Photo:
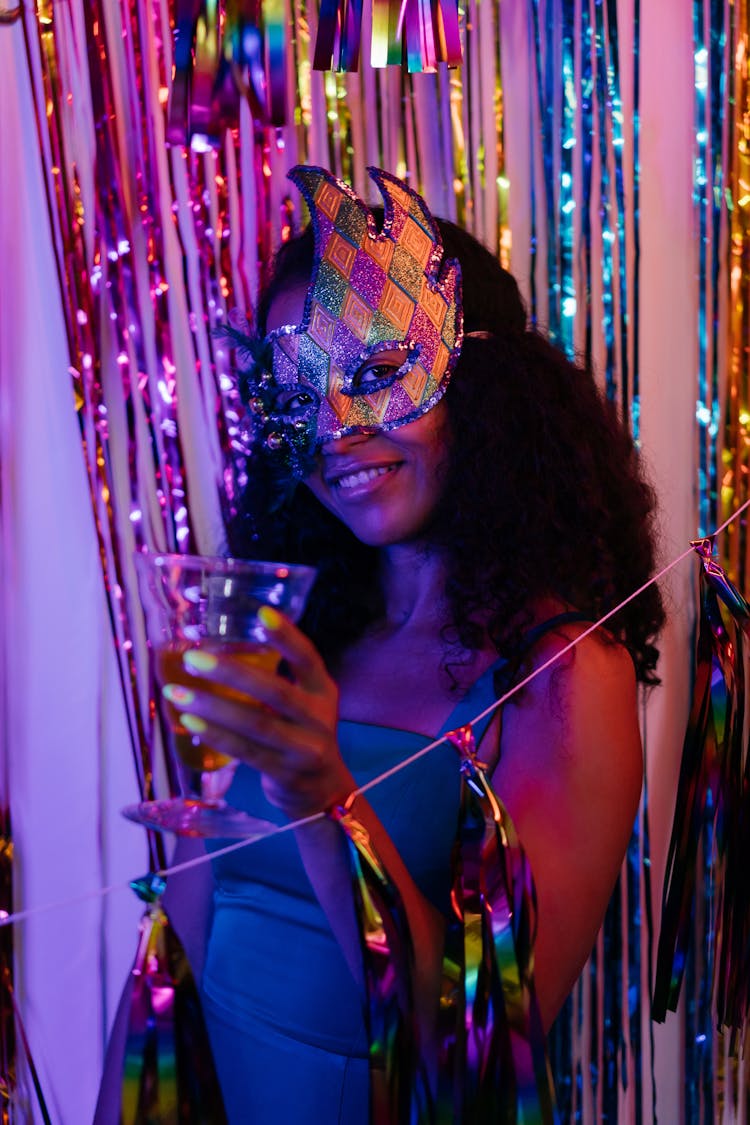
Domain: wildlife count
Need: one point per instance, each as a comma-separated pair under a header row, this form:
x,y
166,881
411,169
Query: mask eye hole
x,y
379,370
296,403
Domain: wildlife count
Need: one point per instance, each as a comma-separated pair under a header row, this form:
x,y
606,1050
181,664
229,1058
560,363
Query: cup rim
x,y
225,563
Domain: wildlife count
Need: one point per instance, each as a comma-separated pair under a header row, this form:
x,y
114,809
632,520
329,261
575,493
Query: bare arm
x,y
570,774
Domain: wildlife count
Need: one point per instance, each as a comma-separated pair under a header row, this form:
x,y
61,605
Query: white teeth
x,y
362,477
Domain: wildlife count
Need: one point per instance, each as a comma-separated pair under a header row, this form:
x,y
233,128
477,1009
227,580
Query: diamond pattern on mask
x,y
356,315
396,306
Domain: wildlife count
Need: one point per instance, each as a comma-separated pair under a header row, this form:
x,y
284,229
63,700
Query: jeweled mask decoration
x,y
371,291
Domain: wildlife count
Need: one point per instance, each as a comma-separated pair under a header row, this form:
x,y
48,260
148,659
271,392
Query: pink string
x,y
22,915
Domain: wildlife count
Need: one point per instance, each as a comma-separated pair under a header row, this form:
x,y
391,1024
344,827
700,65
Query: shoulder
x,y
578,714
569,662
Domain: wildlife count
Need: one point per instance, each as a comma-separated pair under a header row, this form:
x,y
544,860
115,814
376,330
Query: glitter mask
x,y
370,292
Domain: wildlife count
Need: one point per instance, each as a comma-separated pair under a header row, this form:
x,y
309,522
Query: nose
x,y
342,445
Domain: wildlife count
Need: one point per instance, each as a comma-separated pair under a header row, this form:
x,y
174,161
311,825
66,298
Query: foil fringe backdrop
x,y
239,190
710,78
709,847
584,175
716,1080
224,53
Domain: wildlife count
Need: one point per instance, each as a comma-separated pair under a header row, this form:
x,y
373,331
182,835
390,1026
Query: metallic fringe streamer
x,y
706,887
580,201
493,1066
581,180
83,275
126,224
441,132
398,1086
168,1072
734,284
421,33
710,44
721,31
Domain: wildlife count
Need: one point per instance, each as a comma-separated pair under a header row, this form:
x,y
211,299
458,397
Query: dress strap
x,y
499,677
480,695
504,676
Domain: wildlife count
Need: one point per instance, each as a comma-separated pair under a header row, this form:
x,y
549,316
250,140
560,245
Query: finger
x,y
240,673
226,742
200,710
299,651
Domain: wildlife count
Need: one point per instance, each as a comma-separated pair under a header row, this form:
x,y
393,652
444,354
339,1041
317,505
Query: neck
x,y
413,580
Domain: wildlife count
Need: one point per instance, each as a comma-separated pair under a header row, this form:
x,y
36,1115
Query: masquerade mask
x,y
372,293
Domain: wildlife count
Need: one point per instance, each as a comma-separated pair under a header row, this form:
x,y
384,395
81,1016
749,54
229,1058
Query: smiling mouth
x,y
362,476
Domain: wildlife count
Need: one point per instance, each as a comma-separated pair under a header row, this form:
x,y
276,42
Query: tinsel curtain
x,y
550,143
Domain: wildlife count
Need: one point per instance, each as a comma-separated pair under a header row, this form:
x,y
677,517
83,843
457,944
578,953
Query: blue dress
x,y
284,1013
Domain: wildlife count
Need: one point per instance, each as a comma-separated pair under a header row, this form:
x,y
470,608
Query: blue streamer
x,y
707,197
634,867
587,162
594,1071
605,206
533,189
545,83
635,406
613,1042
711,63
617,144
568,304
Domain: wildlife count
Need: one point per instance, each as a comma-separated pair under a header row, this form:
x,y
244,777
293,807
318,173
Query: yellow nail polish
x,y
269,617
177,694
193,723
197,660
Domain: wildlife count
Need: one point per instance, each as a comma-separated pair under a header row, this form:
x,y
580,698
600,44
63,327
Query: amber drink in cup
x,y
202,602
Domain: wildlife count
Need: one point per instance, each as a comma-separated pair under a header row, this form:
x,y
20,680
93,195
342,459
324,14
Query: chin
x,y
394,535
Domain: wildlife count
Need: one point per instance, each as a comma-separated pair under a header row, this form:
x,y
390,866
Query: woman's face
x,y
384,486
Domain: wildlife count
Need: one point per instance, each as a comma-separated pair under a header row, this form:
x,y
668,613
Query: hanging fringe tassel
x,y
399,1092
222,53
168,1070
713,796
421,32
493,1066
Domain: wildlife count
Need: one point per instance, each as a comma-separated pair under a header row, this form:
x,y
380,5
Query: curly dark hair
x,y
545,495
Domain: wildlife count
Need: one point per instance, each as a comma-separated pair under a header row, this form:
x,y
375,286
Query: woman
x,y
465,534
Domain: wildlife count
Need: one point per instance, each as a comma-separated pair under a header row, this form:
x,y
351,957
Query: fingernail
x,y
269,617
177,694
198,660
193,723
